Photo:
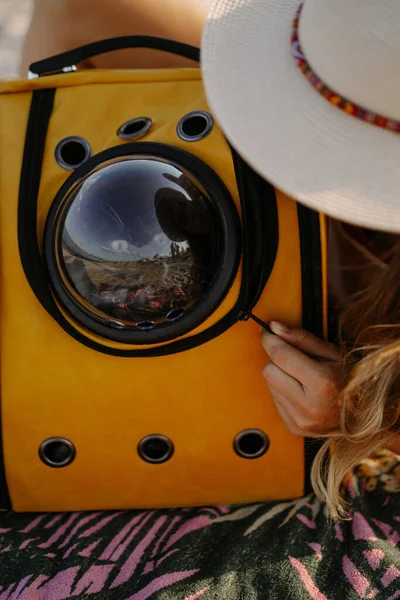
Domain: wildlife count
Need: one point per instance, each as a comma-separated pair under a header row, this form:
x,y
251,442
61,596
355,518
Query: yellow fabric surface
x,y
51,385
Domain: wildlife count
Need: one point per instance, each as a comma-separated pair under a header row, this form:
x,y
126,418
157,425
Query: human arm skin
x,y
60,25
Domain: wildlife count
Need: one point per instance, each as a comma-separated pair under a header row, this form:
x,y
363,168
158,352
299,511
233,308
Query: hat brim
x,y
311,150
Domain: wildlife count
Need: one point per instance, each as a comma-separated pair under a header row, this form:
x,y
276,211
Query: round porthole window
x,y
142,248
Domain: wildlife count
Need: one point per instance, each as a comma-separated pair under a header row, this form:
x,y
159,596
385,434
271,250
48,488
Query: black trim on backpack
x,y
253,192
42,103
312,304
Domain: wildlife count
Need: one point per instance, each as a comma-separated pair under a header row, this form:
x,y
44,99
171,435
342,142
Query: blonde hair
x,y
370,401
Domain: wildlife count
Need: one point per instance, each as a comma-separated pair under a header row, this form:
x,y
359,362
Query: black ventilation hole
x,y
175,314
57,452
145,325
195,126
72,152
135,128
155,449
251,443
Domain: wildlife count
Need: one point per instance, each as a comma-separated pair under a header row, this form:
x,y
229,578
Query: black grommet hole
x,y
195,126
145,325
251,443
175,314
72,152
135,128
57,452
155,448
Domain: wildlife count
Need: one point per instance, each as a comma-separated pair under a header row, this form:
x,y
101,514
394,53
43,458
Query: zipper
x,y
246,314
261,284
245,237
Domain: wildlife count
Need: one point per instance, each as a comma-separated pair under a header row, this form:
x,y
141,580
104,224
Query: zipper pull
x,y
245,315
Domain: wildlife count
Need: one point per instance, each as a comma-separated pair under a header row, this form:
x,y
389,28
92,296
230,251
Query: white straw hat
x,y
267,92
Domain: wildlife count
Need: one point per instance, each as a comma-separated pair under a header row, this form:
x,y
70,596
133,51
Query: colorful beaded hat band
x,y
330,95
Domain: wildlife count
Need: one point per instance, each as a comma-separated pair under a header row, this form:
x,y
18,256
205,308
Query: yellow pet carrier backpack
x,y
137,251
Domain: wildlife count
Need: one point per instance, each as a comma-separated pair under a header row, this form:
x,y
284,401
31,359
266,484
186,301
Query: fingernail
x,y
279,327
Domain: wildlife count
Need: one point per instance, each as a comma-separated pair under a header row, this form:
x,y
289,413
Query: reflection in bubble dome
x,y
138,242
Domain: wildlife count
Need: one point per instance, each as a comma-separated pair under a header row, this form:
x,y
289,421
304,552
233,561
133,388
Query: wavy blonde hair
x,y
370,401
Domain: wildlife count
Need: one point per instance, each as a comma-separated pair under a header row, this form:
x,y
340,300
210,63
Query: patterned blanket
x,y
260,551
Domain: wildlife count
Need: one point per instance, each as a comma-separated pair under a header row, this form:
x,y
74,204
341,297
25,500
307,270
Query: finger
x,y
291,360
306,341
297,400
280,381
298,423
285,412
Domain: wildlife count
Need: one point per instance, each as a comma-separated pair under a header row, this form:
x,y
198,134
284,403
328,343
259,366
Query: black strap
x,y
31,259
64,60
311,274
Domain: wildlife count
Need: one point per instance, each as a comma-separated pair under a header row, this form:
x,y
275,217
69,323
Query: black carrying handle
x,y
66,61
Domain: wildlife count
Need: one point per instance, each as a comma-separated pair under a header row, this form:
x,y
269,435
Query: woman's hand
x,y
305,376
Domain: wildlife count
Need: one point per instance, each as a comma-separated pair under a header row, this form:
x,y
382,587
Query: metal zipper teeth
x,y
246,250
261,284
246,314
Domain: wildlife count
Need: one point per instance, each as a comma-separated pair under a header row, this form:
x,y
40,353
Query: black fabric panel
x,y
78,55
311,275
312,294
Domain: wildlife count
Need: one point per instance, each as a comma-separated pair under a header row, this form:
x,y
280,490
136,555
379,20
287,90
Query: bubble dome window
x,y
139,247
